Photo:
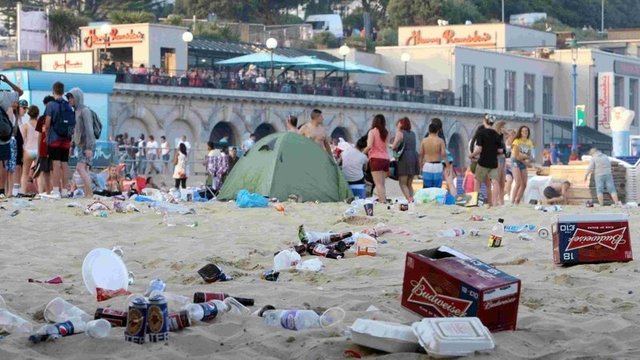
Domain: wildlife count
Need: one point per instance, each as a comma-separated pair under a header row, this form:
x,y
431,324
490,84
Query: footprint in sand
x,y
518,261
533,303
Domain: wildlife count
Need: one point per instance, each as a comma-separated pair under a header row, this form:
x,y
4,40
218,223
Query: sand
x,y
581,312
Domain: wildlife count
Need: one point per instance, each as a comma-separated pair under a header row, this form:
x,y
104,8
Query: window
x,y
633,98
410,82
468,88
547,95
489,88
529,93
618,85
510,90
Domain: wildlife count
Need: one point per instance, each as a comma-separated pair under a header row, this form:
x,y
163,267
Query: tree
x,y
414,12
131,17
63,27
459,11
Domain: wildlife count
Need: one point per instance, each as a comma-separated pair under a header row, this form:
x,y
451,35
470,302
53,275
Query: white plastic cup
x,y
98,328
59,310
332,316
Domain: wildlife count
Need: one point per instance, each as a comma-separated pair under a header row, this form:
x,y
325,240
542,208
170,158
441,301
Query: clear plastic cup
x,y
331,317
235,307
98,328
3,305
59,310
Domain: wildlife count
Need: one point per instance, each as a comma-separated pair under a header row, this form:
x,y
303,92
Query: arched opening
x,y
456,149
177,130
223,131
263,130
341,132
134,127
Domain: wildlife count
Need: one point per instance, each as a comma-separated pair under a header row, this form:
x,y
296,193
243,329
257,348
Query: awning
x,y
313,63
259,59
587,136
350,67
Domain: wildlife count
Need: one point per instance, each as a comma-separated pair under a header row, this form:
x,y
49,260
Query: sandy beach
x,y
580,312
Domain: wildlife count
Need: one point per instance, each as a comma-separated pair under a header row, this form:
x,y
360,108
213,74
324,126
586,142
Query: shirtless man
x,y
557,193
432,154
315,131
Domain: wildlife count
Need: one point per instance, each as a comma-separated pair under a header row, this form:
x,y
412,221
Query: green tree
x,y
131,17
414,12
212,31
63,27
459,11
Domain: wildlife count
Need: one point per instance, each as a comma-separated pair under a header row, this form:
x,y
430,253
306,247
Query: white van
x,y
326,22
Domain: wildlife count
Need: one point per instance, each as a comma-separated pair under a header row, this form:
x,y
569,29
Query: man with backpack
x,y
84,138
59,126
7,98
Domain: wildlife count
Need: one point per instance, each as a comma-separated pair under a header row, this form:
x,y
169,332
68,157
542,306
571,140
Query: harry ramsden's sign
x,y
449,37
115,37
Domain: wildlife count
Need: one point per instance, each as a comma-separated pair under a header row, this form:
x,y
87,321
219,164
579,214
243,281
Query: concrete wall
x,y
199,113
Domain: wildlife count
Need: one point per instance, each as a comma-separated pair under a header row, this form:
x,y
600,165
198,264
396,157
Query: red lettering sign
x,y
424,294
115,37
584,238
67,64
449,38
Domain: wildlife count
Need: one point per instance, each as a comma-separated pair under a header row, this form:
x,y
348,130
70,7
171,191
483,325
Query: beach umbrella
x,y
314,64
259,59
350,67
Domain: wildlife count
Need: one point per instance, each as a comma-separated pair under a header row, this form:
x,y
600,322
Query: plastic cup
x,y
368,208
59,310
235,307
333,316
3,305
98,328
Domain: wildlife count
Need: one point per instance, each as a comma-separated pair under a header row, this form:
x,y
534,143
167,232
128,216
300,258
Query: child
x,y
468,181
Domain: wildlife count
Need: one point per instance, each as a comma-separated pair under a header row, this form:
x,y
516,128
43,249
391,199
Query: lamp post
x,y
187,37
105,30
405,57
344,51
574,74
272,44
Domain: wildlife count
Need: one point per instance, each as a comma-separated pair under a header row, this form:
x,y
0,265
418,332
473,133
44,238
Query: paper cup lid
x,y
102,268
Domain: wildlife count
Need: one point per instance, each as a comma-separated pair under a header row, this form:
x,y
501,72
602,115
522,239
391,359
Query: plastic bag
x,y
245,199
286,259
314,265
430,195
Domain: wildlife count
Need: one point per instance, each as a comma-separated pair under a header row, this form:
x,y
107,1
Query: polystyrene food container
x,y
450,337
383,335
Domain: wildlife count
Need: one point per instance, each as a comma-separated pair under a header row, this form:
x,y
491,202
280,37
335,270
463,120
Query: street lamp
x,y
405,57
574,57
105,30
344,51
271,45
187,37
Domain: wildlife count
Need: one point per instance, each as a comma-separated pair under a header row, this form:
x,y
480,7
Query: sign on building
x,y
606,92
80,62
580,115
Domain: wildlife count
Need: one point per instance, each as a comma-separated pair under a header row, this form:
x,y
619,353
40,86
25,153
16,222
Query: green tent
x,y
284,164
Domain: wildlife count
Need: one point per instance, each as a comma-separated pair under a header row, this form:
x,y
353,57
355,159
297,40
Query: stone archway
x,y
263,130
341,132
222,130
179,128
134,127
456,148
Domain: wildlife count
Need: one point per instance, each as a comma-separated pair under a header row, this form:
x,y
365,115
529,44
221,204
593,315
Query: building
x,y
138,44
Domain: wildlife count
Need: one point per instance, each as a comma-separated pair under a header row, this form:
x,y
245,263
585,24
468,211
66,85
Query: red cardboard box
x,y
443,282
591,238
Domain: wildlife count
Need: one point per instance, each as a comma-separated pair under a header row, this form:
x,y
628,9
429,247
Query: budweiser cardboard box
x,y
591,238
443,282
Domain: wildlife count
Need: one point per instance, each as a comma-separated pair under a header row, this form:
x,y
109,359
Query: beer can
x,y
179,320
115,317
158,319
136,321
404,207
494,241
202,297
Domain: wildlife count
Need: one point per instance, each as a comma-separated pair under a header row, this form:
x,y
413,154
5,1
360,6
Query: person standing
x,y
487,148
141,155
44,166
165,153
7,98
316,131
292,124
408,167
58,113
521,155
180,170
376,150
555,154
83,138
31,142
502,174
233,157
600,168
153,152
432,154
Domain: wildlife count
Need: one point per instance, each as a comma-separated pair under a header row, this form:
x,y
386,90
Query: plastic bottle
x,y
53,331
156,285
172,220
206,311
98,328
10,322
497,233
303,319
451,232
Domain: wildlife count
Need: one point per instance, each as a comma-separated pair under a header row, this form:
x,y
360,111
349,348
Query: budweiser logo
x,y
424,294
584,238
491,304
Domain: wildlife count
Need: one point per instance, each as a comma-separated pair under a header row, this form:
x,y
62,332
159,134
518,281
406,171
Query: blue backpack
x,y
65,121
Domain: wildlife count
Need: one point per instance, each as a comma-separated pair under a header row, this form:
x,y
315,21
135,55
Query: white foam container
x,y
451,337
383,335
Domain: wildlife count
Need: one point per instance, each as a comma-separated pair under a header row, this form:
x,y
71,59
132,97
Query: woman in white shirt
x,y
180,171
354,162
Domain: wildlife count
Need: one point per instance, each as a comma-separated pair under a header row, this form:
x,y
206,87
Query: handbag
x,y
398,152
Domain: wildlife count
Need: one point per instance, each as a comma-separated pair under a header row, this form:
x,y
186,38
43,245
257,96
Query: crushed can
x,y
158,319
179,320
136,321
